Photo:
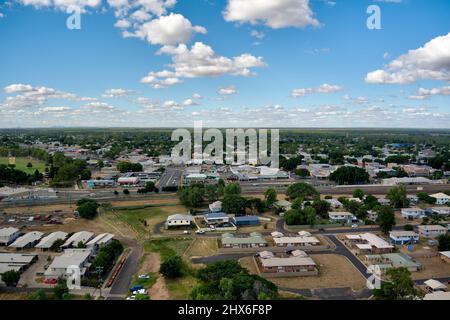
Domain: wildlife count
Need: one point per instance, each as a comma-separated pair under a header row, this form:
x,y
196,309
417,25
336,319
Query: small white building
x,y
100,241
296,241
334,203
435,285
431,231
8,235
76,238
442,211
276,234
179,220
441,198
412,213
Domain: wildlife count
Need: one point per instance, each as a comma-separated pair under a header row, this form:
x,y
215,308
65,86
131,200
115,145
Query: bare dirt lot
x,y
202,247
432,268
335,272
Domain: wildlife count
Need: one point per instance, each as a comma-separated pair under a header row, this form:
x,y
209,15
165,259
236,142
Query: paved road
x,y
170,178
122,283
331,293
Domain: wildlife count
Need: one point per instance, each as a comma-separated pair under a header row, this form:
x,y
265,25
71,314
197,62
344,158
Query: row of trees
x,y
9,174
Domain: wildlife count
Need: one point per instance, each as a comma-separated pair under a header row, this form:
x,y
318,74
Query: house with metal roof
x,y
403,237
8,235
48,241
431,231
393,260
28,240
254,240
100,241
296,241
288,265
179,220
216,217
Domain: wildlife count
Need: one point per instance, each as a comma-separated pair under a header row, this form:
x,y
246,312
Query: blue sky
x,y
284,63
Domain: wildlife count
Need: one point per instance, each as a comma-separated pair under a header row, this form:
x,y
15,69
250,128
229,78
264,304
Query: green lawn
x,y
167,247
136,218
21,164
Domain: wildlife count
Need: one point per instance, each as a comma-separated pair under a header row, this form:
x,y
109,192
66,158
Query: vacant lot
x,y
202,247
335,272
432,268
249,264
21,164
167,247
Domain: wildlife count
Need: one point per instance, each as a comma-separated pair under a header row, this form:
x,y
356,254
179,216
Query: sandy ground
x,y
151,263
144,202
335,272
202,247
432,268
40,209
159,290
249,264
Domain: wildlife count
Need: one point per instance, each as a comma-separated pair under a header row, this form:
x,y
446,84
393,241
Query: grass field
x,y
167,247
21,164
203,247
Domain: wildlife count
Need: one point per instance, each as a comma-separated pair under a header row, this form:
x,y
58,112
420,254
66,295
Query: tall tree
x,y
270,196
398,197
386,218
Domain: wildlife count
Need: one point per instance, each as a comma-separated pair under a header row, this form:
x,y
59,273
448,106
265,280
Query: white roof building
x,y
100,240
70,258
81,236
438,295
441,198
27,240
8,234
286,241
215,206
48,241
287,262
435,285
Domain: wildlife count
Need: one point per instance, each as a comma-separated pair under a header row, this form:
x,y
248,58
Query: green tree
x,y
350,175
270,196
60,290
302,190
386,218
10,278
398,197
87,208
358,193
310,215
171,267
303,173
233,203
399,286
126,191
232,188
321,208
444,242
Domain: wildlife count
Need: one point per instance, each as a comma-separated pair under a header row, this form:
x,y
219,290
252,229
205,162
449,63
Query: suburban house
x,y
340,217
276,234
47,242
246,221
412,213
413,200
431,231
372,215
28,240
296,241
403,237
215,206
253,241
59,268
445,256
288,265
99,242
216,217
16,261
441,198
393,260
442,211
179,220
368,243
8,235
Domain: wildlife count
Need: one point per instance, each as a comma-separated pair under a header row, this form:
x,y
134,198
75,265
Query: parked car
x,y
186,232
354,225
200,231
131,298
144,276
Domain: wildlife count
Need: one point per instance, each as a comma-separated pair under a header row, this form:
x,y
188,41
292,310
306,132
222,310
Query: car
x,y
136,288
50,281
354,225
131,298
200,231
140,291
144,276
186,232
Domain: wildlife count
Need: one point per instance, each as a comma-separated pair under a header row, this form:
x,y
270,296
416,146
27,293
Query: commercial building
x,y
71,258
431,231
253,241
48,241
76,238
403,237
28,240
8,235
179,220
246,221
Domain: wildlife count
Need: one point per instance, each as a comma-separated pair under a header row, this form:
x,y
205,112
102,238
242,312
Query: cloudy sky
x,y
229,63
